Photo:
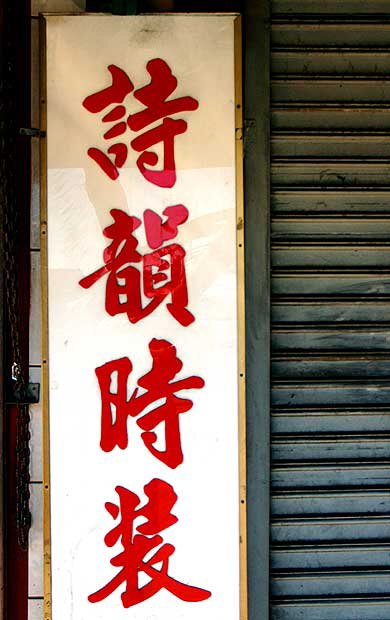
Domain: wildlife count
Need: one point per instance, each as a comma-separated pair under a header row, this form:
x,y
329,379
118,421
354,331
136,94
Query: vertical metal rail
x,y
257,192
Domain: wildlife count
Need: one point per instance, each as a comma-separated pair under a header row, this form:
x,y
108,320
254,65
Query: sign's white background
x,y
82,336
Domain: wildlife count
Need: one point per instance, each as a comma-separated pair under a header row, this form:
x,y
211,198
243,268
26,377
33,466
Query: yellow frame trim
x,y
241,380
45,326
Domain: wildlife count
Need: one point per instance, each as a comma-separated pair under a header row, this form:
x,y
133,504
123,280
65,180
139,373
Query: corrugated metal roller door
x,y
331,310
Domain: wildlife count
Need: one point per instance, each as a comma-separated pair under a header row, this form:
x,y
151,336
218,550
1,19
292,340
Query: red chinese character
x,y
157,384
157,512
154,97
163,270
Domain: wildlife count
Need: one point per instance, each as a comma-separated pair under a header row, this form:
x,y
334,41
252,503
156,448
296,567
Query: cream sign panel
x,y
142,318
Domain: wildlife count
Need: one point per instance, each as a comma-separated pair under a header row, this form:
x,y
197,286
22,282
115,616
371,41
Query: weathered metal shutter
x,y
330,556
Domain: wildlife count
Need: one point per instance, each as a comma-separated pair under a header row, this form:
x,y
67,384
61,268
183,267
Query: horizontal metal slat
x,y
342,609
332,476
317,61
337,367
330,228
328,117
330,421
331,172
326,89
342,529
332,255
342,33
320,310
322,556
320,283
323,503
331,200
300,145
327,339
341,583
331,394
330,6
330,448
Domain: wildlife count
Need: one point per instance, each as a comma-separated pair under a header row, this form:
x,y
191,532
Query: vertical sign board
x,y
144,291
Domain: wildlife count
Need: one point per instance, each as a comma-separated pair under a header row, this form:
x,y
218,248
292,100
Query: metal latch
x,y
32,132
26,394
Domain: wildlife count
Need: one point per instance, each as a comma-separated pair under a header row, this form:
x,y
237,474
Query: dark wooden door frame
x,y
15,192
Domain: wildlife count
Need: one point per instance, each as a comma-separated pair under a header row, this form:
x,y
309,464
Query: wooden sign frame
x,y
240,313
